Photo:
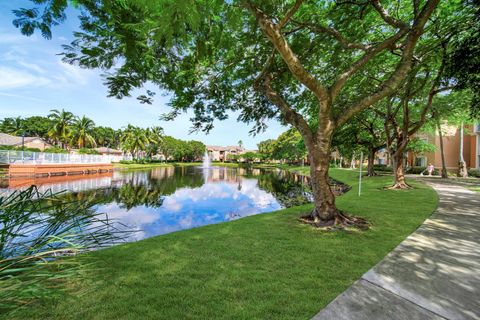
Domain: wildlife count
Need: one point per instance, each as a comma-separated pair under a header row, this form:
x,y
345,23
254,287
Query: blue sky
x,y
33,80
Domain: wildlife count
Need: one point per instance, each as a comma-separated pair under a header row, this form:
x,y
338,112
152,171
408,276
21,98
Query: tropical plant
x,y
134,140
13,126
82,132
40,236
55,150
61,126
155,136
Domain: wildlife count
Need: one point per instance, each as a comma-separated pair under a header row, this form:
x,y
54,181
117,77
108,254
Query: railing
x,y
29,157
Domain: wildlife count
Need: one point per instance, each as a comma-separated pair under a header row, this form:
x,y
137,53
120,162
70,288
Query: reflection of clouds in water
x,y
188,208
220,190
134,219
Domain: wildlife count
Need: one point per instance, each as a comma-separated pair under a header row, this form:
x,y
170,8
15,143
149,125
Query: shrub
x,y
55,150
418,170
474,173
87,151
382,167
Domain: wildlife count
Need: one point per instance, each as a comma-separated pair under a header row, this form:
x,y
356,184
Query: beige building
x,y
219,153
29,142
451,146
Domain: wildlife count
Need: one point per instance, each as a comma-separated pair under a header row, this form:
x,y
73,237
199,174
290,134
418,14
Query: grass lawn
x,y
476,189
129,166
134,166
267,266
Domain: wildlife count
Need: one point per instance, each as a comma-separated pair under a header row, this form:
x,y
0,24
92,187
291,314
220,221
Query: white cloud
x,y
15,78
32,66
73,74
12,95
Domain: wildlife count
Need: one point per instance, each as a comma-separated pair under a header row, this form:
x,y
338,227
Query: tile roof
x,y
9,140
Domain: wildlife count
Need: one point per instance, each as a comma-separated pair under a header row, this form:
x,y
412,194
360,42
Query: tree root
x,y
400,186
339,222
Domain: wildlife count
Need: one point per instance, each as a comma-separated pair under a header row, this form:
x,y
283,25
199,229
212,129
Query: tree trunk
x,y
442,151
399,170
325,211
371,158
352,162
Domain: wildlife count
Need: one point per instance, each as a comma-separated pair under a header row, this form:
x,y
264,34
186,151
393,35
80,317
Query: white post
x,y
8,156
360,176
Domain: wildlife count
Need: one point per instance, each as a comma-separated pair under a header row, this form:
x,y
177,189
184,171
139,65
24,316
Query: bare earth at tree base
x,y
433,274
341,221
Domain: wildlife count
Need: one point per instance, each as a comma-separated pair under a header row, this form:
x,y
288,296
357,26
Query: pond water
x,y
168,199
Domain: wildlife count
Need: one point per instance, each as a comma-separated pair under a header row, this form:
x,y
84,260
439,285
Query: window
x,y
420,162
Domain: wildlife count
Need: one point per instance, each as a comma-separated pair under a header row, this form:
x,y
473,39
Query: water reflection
x,y
168,199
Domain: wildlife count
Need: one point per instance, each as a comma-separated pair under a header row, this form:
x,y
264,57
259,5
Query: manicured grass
x,y
131,166
267,266
476,189
134,166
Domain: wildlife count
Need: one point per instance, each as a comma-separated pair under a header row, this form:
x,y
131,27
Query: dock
x,y
48,170
39,164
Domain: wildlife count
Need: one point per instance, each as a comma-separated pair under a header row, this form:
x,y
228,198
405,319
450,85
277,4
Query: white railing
x,y
29,157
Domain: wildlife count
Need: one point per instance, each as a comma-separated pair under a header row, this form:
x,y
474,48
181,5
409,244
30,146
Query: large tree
x,y
295,60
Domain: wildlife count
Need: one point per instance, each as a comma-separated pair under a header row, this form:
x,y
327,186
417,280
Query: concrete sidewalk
x,y
433,274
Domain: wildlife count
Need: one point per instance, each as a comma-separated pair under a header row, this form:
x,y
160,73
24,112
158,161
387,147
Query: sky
x,y
34,80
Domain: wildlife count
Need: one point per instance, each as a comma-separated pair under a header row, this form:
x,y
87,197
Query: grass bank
x,y
135,166
267,266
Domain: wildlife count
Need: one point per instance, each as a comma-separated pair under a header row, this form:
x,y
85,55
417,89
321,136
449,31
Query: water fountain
x,y
206,161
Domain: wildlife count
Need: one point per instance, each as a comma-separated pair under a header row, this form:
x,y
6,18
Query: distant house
x,y
219,153
28,142
108,151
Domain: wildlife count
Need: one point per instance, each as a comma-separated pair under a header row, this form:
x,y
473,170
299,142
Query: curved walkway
x,y
433,274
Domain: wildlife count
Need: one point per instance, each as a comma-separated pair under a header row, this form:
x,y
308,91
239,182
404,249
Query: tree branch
x,y
387,17
289,14
336,34
403,67
369,54
273,33
290,115
433,91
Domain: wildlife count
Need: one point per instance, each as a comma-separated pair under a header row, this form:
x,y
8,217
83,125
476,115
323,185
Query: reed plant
x,y
41,236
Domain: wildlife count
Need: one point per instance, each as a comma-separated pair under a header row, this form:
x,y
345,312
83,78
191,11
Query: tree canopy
x,y
312,64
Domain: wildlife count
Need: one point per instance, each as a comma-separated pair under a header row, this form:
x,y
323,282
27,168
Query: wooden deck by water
x,y
43,170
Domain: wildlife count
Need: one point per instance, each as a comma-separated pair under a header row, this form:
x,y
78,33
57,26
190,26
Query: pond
x,y
167,199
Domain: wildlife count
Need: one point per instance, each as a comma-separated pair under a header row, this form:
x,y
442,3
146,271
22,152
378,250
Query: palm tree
x,y
83,132
155,137
134,140
61,129
13,126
